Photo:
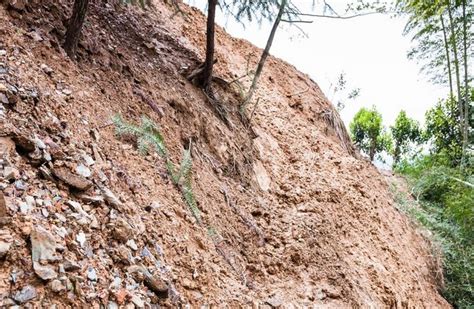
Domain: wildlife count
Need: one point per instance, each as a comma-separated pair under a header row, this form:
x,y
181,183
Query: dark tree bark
x,y
266,52
204,78
74,27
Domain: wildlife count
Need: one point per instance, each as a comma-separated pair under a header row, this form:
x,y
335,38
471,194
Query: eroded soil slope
x,y
289,214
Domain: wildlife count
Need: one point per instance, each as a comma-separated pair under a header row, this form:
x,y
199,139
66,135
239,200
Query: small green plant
x,y
149,136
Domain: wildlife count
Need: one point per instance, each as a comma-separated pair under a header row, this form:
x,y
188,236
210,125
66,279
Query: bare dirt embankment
x,y
290,216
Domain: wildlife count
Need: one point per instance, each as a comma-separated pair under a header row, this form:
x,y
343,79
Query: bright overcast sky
x,y
370,50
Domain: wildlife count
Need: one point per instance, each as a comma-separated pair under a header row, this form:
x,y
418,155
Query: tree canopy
x,y
368,133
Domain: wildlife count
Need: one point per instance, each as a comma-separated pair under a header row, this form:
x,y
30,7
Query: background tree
x,y
405,131
74,27
443,130
368,133
442,33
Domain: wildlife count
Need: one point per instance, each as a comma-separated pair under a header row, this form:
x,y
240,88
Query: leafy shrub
x,y
446,207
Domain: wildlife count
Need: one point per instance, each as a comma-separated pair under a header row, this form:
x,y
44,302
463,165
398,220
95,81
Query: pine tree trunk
x,y
74,27
466,84
265,53
456,67
448,58
204,78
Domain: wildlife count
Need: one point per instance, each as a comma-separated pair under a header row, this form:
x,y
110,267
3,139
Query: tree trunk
x,y
448,58
204,78
74,27
466,86
456,66
265,53
396,154
373,144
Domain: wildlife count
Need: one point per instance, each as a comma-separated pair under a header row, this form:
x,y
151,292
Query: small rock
x,y
81,239
45,212
137,301
157,285
39,143
43,249
77,182
97,199
60,217
274,301
112,305
10,173
33,34
25,295
2,52
24,143
83,170
131,243
123,255
25,208
20,185
4,248
47,156
46,69
110,197
43,245
5,243
71,266
4,99
91,274
3,205
67,91
45,272
122,230
30,201
88,159
56,286
116,283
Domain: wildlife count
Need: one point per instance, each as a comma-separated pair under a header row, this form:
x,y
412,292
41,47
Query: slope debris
x,y
291,215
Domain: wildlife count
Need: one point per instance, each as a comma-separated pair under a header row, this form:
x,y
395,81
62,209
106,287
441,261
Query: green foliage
x,y
368,133
404,132
148,135
251,10
446,196
443,131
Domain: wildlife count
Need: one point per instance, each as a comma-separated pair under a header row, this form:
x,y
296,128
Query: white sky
x,y
370,50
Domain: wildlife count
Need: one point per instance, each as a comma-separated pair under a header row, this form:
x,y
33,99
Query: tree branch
x,y
297,21
338,17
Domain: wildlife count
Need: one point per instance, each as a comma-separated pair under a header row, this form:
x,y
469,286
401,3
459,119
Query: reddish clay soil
x,y
291,215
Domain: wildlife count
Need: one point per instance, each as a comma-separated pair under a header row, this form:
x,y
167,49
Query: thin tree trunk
x,y
456,66
74,27
373,144
265,53
466,85
448,58
204,78
396,154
